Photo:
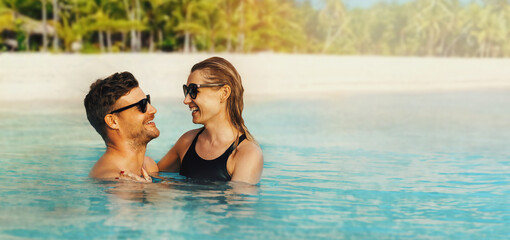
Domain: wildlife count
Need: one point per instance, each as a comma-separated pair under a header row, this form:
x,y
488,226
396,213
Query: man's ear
x,y
225,92
111,121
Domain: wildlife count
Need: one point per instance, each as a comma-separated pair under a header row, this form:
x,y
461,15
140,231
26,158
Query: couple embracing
x,y
222,150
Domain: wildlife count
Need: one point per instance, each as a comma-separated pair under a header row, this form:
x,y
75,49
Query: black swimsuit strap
x,y
215,169
241,138
229,150
196,137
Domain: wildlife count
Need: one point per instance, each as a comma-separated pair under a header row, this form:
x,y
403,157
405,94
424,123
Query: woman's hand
x,y
145,178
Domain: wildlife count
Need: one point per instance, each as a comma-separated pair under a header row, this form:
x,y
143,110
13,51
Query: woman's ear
x,y
111,121
225,93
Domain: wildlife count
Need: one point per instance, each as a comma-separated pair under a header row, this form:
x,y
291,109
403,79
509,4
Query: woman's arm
x,y
248,164
150,165
171,162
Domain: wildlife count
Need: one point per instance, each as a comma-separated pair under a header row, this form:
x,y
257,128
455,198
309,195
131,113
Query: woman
x,y
223,149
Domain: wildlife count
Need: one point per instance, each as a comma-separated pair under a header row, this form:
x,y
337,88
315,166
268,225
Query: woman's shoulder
x,y
188,136
249,148
249,162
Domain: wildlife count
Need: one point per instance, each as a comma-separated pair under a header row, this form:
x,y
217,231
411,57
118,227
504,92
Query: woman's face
x,y
207,105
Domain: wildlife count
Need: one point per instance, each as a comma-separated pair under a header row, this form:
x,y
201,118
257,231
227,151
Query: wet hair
x,y
102,96
219,70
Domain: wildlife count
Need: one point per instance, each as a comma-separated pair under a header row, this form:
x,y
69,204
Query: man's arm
x,y
248,164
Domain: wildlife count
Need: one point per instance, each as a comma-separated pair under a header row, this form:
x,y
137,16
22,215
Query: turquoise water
x,y
363,166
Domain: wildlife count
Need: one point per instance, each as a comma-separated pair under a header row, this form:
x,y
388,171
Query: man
x,y
122,114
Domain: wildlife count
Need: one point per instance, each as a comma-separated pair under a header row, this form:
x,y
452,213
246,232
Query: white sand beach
x,y
36,76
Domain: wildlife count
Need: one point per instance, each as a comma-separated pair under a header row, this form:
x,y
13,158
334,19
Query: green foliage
x,y
414,28
20,38
88,47
168,45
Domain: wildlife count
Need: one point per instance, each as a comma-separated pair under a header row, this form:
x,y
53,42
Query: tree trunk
x,y
133,40
124,40
131,16
55,20
327,41
488,49
229,31
229,44
186,42
45,30
139,42
27,42
138,16
240,34
160,39
151,42
101,41
212,48
109,40
193,45
482,49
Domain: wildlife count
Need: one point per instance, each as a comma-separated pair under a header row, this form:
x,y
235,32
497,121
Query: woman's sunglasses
x,y
192,88
142,105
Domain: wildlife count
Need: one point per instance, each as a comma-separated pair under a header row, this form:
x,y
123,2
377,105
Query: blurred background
x,y
378,119
460,28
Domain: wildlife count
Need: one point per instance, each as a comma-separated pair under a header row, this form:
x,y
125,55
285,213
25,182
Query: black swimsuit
x,y
193,166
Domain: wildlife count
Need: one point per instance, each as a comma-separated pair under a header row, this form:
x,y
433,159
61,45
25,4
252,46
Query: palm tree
x,y
74,25
155,18
44,22
231,15
334,19
498,13
432,15
133,13
279,24
187,23
213,22
306,18
55,22
14,5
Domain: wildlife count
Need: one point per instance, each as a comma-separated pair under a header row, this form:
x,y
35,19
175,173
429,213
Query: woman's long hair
x,y
219,70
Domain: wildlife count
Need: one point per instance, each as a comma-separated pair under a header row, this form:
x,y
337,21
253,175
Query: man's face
x,y
136,126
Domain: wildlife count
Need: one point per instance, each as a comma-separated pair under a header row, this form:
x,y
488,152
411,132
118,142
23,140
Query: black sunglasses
x,y
142,105
192,89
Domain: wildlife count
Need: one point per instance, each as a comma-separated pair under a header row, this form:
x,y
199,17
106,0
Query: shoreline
x,y
39,76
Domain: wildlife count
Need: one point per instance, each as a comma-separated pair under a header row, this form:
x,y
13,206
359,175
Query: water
x,y
361,166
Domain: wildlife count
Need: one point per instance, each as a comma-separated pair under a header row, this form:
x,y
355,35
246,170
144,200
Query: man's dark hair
x,y
102,96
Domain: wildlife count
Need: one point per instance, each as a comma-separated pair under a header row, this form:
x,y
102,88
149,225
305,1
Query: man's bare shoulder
x,y
104,169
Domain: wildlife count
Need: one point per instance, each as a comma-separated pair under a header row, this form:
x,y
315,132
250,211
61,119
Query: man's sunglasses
x,y
142,105
192,88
